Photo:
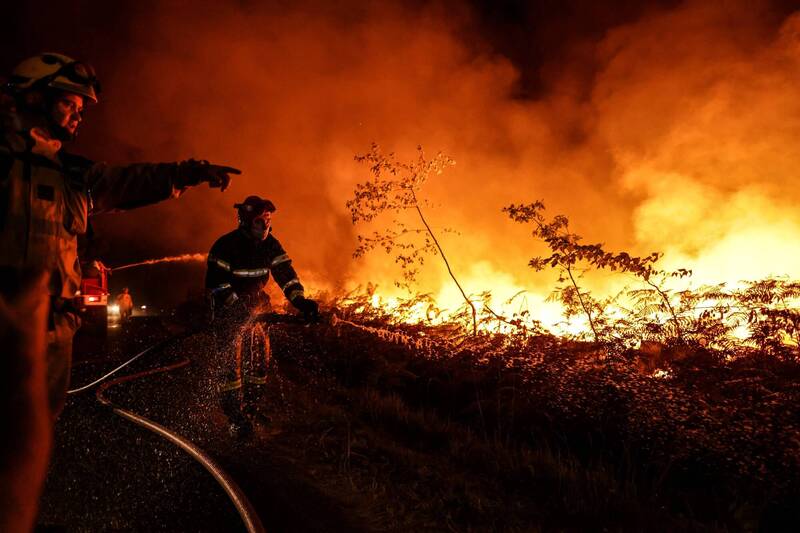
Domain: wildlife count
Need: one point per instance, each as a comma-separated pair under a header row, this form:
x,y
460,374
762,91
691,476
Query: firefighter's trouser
x,y
59,359
244,348
61,327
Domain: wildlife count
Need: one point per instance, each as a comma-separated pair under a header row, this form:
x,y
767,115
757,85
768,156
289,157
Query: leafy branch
x,y
394,187
567,255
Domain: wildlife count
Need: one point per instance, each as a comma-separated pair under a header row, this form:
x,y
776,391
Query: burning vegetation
x,y
749,316
684,398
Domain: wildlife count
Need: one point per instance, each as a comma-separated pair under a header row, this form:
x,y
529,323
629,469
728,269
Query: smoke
x,y
676,132
706,130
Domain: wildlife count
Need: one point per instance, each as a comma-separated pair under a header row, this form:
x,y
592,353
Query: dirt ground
x,y
361,434
306,467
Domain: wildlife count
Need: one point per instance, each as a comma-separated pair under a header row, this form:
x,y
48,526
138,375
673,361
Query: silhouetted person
x,y
125,303
239,265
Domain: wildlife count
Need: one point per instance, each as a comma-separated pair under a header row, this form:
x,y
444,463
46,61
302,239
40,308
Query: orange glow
x,y
676,132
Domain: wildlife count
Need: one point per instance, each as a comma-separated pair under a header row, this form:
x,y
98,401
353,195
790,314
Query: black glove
x,y
309,308
192,172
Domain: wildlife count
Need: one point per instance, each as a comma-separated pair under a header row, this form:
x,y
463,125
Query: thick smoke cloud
x,y
292,95
699,107
676,131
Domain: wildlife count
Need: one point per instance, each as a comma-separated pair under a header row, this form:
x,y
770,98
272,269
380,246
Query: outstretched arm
x,y
116,188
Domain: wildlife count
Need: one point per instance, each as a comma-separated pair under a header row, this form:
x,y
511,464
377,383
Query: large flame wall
x,y
677,131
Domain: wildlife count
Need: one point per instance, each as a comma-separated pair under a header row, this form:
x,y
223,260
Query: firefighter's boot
x,y
239,425
255,404
240,428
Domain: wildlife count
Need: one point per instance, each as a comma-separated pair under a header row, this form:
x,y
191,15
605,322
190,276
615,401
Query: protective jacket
x,y
46,196
239,267
45,201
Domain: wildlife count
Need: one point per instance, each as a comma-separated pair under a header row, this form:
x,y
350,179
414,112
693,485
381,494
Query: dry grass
x,y
518,432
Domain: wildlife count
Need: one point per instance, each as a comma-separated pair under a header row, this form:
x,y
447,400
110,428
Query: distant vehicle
x,y
93,297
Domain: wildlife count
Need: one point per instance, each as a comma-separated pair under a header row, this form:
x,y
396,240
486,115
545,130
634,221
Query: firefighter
x,y
47,193
125,304
239,265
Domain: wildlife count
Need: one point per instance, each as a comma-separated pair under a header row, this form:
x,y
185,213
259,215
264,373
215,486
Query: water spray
x,y
185,258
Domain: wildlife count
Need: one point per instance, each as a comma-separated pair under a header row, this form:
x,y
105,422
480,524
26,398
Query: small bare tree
x,y
395,187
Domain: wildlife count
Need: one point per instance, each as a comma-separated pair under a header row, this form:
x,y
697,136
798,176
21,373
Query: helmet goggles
x,y
75,71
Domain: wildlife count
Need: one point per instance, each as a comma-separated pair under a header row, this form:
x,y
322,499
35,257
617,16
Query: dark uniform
x,y
238,270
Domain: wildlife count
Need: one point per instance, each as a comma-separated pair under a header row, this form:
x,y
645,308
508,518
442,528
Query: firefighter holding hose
x,y
239,265
47,193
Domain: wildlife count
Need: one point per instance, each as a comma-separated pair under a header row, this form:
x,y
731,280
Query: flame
x,y
509,298
701,138
689,149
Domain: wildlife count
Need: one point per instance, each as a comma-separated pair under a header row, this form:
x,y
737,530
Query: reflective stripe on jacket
x,y
241,264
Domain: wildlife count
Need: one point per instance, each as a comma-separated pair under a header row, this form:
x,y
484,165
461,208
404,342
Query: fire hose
x,y
243,506
123,365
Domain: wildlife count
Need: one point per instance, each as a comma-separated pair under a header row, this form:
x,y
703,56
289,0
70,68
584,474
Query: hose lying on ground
x,y
243,506
126,363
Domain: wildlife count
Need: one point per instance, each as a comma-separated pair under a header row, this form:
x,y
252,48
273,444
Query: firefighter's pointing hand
x,y
193,172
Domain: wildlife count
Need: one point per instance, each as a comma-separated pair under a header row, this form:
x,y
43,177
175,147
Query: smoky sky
x,y
533,100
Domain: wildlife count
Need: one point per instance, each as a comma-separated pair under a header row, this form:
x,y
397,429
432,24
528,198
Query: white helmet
x,y
58,72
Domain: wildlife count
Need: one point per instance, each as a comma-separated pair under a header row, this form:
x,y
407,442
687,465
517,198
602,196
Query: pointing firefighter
x,y
46,193
239,265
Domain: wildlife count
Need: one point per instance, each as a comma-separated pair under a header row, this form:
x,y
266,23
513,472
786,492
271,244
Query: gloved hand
x,y
230,299
192,172
309,308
